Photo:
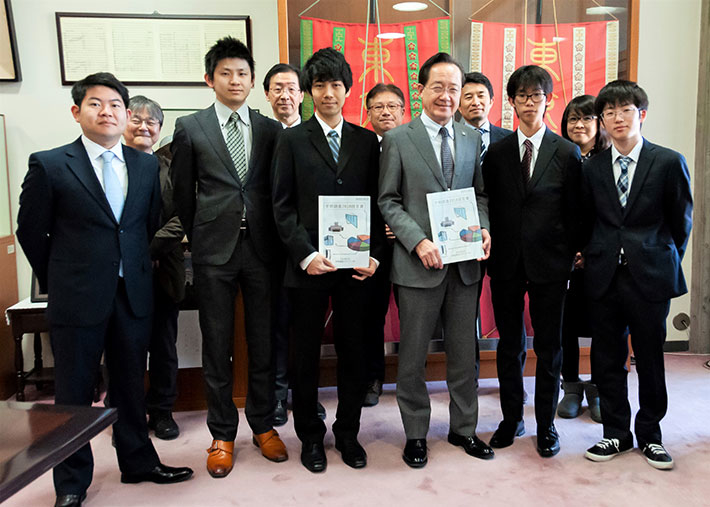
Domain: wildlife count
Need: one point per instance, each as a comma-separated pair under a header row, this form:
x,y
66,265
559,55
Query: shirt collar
x,y
95,150
486,126
536,138
225,112
327,128
297,122
433,128
633,154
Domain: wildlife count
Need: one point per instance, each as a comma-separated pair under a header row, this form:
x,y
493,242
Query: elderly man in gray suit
x,y
433,153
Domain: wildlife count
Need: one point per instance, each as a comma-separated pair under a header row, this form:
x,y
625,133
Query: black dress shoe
x,y
321,411
548,442
313,457
473,446
414,453
506,433
280,413
164,425
69,500
374,390
352,452
161,474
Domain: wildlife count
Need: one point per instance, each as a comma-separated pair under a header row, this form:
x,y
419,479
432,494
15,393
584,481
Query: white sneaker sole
x,y
660,465
601,459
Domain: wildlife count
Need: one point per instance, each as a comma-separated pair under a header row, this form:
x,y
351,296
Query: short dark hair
x,y
326,64
584,106
382,88
620,93
433,60
529,77
141,102
227,47
78,91
478,78
280,67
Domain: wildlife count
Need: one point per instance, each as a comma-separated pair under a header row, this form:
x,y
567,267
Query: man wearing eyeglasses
x,y
283,91
476,102
432,153
638,201
533,180
385,108
142,132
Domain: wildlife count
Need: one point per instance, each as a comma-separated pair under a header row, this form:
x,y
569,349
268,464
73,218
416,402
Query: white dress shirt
x,y
297,122
94,151
536,140
244,124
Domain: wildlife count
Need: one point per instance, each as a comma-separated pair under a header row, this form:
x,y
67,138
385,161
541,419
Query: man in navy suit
x,y
533,180
476,103
638,203
222,191
88,211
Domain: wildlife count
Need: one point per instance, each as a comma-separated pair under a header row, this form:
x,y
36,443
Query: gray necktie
x,y
622,185
447,160
235,145
334,143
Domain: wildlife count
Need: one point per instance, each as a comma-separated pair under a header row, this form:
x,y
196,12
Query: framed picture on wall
x,y
9,59
172,46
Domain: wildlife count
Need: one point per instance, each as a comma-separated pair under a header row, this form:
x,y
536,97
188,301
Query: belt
x,y
243,225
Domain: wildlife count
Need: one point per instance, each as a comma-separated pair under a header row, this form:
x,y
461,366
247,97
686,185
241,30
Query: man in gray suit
x,y
434,154
222,191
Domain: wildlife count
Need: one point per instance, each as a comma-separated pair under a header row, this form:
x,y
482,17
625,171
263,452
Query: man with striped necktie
x,y
222,191
476,103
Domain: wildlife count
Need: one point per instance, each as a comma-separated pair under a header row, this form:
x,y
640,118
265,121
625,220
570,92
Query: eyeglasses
x,y
137,121
586,119
278,90
625,113
438,89
536,97
378,108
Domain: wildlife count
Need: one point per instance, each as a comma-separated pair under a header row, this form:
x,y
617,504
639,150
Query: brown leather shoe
x,y
219,461
271,446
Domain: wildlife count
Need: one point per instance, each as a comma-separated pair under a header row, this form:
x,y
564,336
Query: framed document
x,y
344,230
455,226
9,60
142,49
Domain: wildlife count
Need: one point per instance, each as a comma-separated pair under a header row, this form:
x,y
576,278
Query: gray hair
x,y
140,102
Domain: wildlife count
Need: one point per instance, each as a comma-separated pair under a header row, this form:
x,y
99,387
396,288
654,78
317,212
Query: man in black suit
x,y
638,201
533,180
142,132
222,192
476,102
326,156
88,211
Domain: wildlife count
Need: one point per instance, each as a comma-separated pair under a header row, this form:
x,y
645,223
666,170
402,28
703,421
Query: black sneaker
x,y
164,425
608,448
657,456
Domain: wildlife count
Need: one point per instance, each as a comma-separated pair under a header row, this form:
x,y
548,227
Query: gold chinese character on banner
x,y
371,58
544,54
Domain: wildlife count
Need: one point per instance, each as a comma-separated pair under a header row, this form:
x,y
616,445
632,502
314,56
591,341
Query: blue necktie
x,y
447,160
113,190
622,185
482,131
334,143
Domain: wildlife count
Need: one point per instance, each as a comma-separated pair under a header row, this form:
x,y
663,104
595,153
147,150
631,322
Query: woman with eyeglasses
x,y
581,126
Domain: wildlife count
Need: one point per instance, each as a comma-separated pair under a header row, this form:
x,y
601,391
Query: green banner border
x,y
411,51
306,52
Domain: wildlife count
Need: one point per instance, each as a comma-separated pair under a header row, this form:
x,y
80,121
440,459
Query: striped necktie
x,y
235,145
622,185
447,160
334,143
527,159
482,131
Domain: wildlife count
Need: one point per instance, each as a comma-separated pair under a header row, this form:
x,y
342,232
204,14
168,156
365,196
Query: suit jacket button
x,y
121,231
115,263
339,181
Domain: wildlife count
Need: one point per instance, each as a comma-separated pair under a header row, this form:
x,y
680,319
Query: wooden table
x,y
35,437
26,317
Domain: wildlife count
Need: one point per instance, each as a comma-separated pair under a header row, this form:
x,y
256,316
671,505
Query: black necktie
x,y
525,164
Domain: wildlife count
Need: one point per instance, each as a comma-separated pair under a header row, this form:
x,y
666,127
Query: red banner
x,y
580,57
374,60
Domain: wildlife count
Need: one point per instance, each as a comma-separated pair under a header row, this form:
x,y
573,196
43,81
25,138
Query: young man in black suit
x,y
476,102
533,180
88,211
326,156
638,202
222,191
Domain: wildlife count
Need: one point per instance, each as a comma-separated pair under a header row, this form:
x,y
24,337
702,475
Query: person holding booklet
x,y
326,156
430,155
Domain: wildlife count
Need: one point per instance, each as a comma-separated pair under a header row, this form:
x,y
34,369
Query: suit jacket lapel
x,y
255,154
548,148
210,125
135,180
512,151
320,143
420,138
643,167
79,163
462,149
347,146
